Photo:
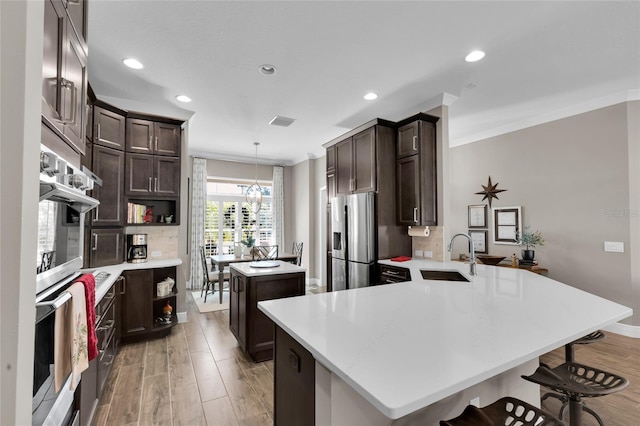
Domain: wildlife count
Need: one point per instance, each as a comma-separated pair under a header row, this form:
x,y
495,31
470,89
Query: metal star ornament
x,y
490,191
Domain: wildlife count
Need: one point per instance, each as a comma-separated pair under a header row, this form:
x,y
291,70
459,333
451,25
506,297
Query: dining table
x,y
219,261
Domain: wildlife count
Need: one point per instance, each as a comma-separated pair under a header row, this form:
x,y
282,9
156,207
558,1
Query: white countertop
x,y
405,346
116,270
247,270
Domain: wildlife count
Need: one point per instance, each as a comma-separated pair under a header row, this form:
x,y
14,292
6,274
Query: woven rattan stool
x,y
576,381
504,412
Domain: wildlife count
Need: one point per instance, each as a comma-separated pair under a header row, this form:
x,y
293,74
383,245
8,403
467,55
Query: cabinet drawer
x,y
105,303
106,327
392,274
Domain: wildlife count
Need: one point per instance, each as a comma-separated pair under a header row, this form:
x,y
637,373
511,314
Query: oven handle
x,y
51,306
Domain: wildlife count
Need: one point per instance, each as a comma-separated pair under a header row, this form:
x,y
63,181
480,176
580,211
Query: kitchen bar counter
x,y
406,346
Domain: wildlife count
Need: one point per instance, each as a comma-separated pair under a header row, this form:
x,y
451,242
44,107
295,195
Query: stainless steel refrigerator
x,y
353,252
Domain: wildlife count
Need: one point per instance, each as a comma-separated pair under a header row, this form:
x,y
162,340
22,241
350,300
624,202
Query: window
x,y
229,219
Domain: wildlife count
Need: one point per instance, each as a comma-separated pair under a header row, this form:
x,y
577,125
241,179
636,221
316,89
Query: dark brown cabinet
x,y
393,274
331,173
356,163
252,328
64,76
294,369
152,175
108,164
149,137
106,246
141,308
108,128
416,173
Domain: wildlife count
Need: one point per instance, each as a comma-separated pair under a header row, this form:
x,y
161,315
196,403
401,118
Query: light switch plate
x,y
428,253
418,253
156,253
614,246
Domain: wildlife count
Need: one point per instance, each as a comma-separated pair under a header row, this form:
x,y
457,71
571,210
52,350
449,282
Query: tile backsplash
x,y
434,243
162,241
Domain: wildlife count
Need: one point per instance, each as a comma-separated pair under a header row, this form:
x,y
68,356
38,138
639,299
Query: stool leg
x,y
568,352
575,412
563,409
594,414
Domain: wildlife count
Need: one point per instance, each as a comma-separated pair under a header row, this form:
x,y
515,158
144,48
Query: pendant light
x,y
254,192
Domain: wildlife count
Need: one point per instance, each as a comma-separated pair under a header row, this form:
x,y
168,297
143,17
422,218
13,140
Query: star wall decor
x,y
490,191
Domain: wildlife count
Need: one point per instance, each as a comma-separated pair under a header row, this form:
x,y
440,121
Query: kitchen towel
x,y
70,344
89,283
400,258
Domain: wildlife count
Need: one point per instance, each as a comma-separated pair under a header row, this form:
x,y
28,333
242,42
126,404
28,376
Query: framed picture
x,y
478,216
479,239
506,224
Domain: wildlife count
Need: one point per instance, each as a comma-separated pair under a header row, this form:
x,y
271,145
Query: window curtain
x,y
278,207
198,208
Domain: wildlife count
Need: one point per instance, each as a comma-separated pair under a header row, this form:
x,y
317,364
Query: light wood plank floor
x,y
199,376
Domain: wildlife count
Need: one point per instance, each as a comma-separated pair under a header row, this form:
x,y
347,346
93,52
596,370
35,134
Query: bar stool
x,y
505,411
576,381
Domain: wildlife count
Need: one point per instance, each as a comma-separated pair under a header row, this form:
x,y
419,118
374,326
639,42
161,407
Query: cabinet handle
x,y
387,271
156,184
98,131
415,139
97,213
415,215
124,284
66,84
150,184
150,143
95,242
156,150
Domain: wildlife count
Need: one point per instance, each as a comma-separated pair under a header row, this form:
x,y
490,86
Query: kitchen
x,y
579,217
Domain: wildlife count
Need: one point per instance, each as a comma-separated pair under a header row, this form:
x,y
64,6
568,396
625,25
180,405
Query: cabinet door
x,y
331,159
139,178
108,164
331,186
140,137
428,171
54,31
364,161
408,191
136,301
166,176
106,247
242,290
77,11
233,305
408,140
167,139
344,162
108,128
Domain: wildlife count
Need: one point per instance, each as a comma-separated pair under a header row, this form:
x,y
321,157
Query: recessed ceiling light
x,y
133,63
370,96
183,98
474,56
267,69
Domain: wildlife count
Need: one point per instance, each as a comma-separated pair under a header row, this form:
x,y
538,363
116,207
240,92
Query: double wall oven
x,y
63,203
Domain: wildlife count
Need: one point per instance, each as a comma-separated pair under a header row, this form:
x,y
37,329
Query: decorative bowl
x,y
488,259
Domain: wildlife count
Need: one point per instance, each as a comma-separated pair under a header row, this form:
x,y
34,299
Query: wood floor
x,y
198,376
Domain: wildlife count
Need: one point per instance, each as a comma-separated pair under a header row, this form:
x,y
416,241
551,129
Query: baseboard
x,y
182,317
315,281
624,330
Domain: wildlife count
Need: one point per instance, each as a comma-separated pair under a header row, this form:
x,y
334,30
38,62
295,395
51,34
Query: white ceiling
x,y
543,60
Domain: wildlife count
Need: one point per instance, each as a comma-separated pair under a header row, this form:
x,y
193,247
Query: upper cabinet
x,y
108,128
64,74
416,169
331,173
149,137
355,159
151,175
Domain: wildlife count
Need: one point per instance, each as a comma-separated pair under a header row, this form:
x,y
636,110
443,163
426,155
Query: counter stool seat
x,y
504,412
576,381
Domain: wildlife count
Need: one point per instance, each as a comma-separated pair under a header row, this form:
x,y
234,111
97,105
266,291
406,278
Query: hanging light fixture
x,y
254,192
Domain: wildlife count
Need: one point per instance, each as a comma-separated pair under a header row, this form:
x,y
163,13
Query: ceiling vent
x,y
281,121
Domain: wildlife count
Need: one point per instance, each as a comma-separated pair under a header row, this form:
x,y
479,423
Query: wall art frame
x,y
479,239
507,225
477,214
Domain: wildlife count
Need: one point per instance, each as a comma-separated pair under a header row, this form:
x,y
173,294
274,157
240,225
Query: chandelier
x,y
254,192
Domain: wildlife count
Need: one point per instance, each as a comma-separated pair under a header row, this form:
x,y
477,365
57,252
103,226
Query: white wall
x,y
21,57
572,178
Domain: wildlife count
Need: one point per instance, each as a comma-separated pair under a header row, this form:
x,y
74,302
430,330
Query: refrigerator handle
x,y
346,246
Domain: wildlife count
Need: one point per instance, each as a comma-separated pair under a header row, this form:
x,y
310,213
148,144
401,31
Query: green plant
x,y
249,241
530,239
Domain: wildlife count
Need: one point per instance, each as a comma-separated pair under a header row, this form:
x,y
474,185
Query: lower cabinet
x,y
294,382
105,246
142,309
252,328
393,274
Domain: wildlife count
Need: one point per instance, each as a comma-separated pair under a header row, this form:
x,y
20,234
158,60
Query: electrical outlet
x,y
418,253
614,246
156,253
428,253
475,401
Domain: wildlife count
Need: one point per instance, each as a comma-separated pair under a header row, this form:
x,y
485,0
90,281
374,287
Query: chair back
x,y
203,259
265,252
297,250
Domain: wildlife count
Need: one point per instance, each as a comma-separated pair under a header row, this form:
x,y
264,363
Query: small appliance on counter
x,y
136,248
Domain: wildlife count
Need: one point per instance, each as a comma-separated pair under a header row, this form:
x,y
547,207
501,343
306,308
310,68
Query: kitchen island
x,y
421,350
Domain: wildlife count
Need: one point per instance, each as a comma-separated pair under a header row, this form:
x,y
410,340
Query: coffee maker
x,y
136,248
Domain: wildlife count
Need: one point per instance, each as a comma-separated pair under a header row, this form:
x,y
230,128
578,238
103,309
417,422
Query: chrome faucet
x,y
472,255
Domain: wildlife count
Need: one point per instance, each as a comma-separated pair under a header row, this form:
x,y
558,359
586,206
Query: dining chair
x,y
265,252
210,278
297,250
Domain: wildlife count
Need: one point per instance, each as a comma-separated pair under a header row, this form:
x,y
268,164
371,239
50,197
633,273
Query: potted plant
x,y
530,240
248,244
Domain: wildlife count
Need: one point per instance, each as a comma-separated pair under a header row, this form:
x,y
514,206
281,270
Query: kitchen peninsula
x,y
422,349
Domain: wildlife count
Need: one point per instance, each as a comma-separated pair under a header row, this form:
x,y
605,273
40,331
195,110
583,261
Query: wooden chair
x,y
297,250
210,278
265,252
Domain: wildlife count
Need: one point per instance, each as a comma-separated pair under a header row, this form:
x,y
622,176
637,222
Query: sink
x,y
443,275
